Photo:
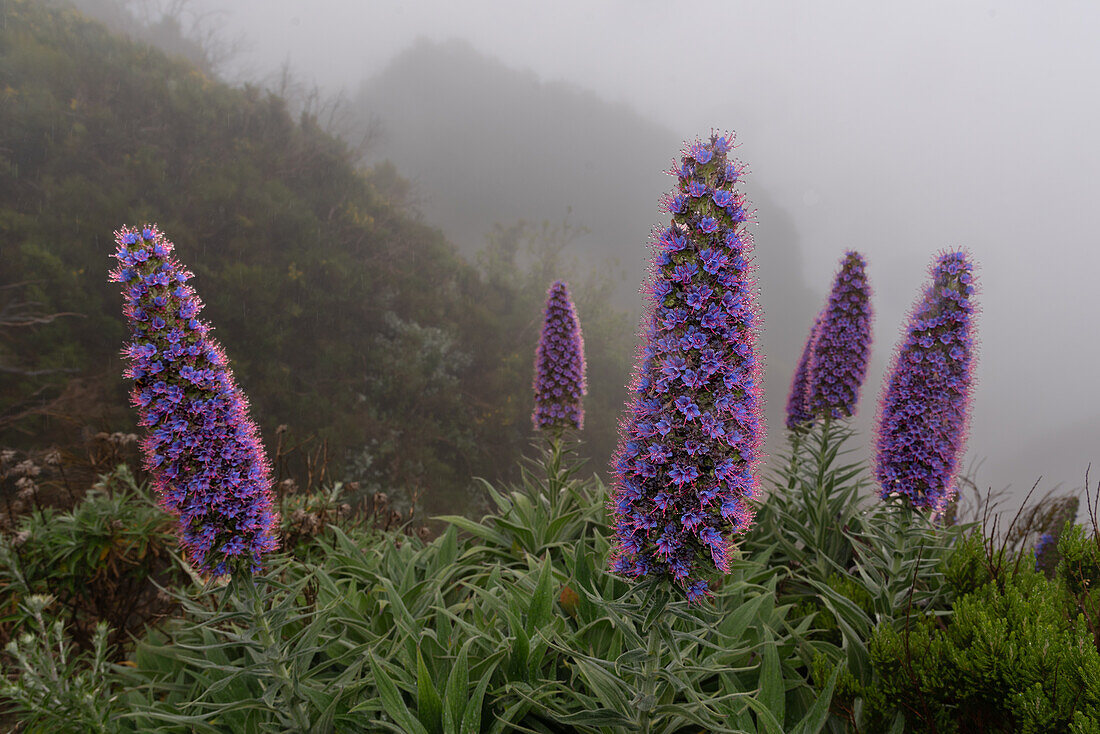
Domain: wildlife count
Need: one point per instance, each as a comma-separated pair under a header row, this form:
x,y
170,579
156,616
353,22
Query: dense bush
x,y
102,561
1014,655
514,623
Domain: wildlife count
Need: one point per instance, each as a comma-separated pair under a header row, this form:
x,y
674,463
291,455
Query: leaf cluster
x,y
512,625
100,562
942,629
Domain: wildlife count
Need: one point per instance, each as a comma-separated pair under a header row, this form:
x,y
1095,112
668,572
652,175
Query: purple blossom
x,y
713,260
925,407
697,296
684,272
559,364
208,465
842,346
1044,547
702,155
673,240
722,198
695,384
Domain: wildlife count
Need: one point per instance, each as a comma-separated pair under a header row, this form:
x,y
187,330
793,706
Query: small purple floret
x,y
925,408
696,397
559,365
208,465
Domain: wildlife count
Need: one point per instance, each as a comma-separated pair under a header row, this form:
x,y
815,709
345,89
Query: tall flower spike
x,y
798,401
209,468
685,470
925,408
843,344
559,364
1045,548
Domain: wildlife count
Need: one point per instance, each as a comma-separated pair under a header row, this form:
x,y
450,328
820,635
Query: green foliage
x,y
940,629
1009,660
1048,517
512,623
843,586
59,689
854,564
101,561
968,569
1013,655
1080,565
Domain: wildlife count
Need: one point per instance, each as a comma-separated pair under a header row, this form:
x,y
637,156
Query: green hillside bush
x,y
512,622
344,317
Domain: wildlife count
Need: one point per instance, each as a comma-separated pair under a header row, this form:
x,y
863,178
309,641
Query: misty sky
x,y
895,129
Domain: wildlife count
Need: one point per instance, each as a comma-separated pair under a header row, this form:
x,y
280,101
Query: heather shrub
x,y
1079,570
1049,520
1010,657
972,566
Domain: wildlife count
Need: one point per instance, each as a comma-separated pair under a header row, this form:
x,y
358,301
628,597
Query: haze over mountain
x,y
897,131
484,143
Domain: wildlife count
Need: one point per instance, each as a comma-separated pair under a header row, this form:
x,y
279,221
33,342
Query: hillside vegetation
x,y
345,318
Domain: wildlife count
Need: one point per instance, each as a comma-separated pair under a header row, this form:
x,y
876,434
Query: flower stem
x,y
647,697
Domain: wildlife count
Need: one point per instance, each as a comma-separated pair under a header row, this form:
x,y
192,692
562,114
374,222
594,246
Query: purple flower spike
x,y
843,344
209,468
559,364
685,474
925,409
1044,548
798,407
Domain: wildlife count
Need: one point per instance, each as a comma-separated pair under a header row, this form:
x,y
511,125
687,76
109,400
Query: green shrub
x,y
514,624
59,689
1009,658
102,561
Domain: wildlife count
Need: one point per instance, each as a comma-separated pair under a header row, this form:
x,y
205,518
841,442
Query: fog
x,y
894,130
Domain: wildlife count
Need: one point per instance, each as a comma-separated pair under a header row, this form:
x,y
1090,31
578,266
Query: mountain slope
x,y
485,143
343,316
